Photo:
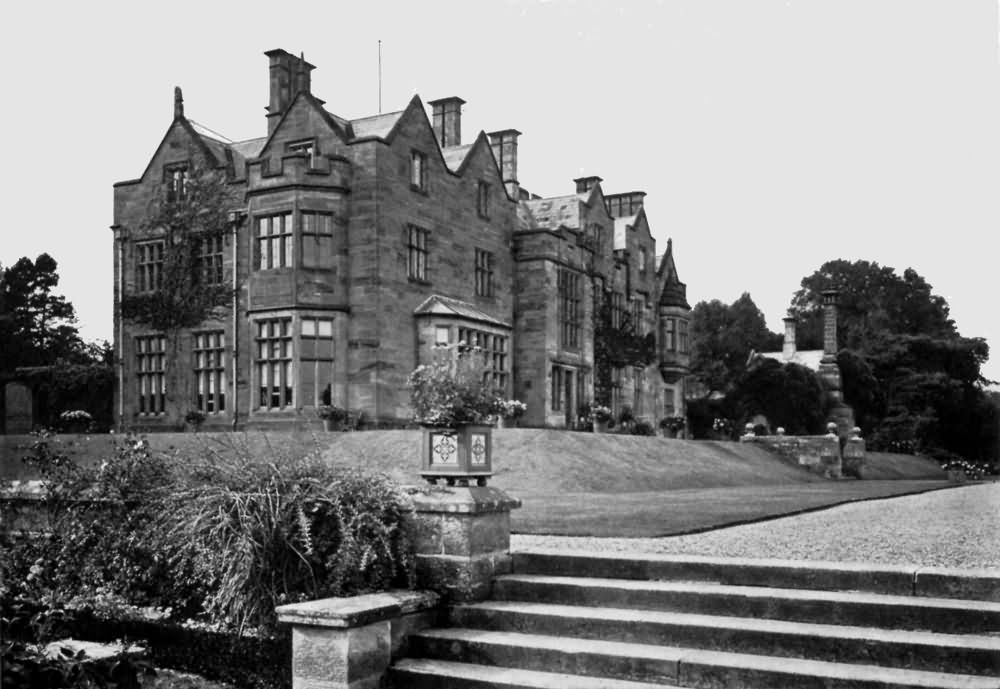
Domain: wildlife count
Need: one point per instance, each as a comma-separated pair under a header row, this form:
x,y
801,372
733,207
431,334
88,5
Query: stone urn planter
x,y
461,455
600,426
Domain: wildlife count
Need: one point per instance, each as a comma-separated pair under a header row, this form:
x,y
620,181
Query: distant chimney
x,y
830,324
288,76
447,117
504,145
585,184
624,205
178,102
788,347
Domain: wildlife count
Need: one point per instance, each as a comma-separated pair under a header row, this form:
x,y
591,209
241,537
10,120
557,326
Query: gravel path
x,y
957,527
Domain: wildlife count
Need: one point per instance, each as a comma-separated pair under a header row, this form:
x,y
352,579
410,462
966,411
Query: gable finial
x,y
300,73
178,102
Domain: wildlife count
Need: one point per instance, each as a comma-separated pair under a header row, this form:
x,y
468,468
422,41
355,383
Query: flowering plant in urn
x,y
454,389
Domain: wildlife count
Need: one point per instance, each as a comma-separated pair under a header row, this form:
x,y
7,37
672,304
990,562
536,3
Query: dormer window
x,y
418,171
307,147
175,177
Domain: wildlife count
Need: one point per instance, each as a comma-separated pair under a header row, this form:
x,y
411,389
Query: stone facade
x,y
360,245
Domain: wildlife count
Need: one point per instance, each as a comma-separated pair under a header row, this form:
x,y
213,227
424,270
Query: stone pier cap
x,y
356,611
462,499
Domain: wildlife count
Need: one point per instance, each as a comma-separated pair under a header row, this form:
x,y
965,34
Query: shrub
x,y
249,535
642,427
454,388
223,535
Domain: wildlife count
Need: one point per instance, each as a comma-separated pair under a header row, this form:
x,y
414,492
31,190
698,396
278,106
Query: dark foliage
x,y
789,395
616,347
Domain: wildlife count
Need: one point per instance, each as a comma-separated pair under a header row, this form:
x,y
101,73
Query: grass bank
x,y
580,483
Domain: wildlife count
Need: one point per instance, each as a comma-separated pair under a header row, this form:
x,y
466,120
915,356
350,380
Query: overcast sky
x,y
770,135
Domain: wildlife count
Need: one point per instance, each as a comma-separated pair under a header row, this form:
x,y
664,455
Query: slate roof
x,y
437,305
556,212
454,156
250,148
377,126
810,358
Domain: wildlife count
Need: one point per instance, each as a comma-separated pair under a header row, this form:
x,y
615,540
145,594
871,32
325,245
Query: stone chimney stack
x,y
585,184
788,347
447,119
504,145
288,75
178,102
830,324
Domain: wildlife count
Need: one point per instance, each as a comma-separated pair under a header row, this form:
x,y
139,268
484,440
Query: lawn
x,y
670,513
579,483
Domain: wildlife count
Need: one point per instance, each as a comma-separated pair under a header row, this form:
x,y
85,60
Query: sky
x,y
770,135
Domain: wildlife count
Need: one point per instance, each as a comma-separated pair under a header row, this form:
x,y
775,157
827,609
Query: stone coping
x,y
356,611
461,499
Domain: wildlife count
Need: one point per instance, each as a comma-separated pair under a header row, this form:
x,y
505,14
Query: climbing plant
x,y
616,346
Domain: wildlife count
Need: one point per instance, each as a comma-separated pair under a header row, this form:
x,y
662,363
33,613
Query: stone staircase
x,y
582,621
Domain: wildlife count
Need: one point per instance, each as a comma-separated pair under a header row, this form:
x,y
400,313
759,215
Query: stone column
x,y
462,539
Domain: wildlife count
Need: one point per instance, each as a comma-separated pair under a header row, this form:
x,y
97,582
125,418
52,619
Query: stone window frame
x,y
558,386
318,225
148,265
311,327
308,146
485,267
496,348
417,252
277,363
175,179
570,305
683,336
150,374
418,171
208,349
483,200
210,255
283,239
670,334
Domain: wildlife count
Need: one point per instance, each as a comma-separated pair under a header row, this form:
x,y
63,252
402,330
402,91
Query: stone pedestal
x,y
461,539
854,457
348,643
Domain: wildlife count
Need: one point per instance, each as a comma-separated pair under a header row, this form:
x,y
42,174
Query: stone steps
x,y
948,615
673,666
969,653
598,620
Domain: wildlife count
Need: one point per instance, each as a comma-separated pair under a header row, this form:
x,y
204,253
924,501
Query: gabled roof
x,y
437,305
376,126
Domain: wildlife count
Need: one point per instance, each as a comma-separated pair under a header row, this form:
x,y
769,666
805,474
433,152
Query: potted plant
x,y
334,417
672,425
600,416
76,421
455,402
509,411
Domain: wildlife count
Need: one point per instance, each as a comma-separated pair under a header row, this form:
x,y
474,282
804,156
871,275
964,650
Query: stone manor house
x,y
361,245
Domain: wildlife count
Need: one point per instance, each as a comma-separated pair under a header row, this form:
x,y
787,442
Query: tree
x,y
722,338
789,395
873,300
914,382
37,326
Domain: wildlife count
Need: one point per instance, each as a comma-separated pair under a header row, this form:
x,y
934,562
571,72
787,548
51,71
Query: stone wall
x,y
818,453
